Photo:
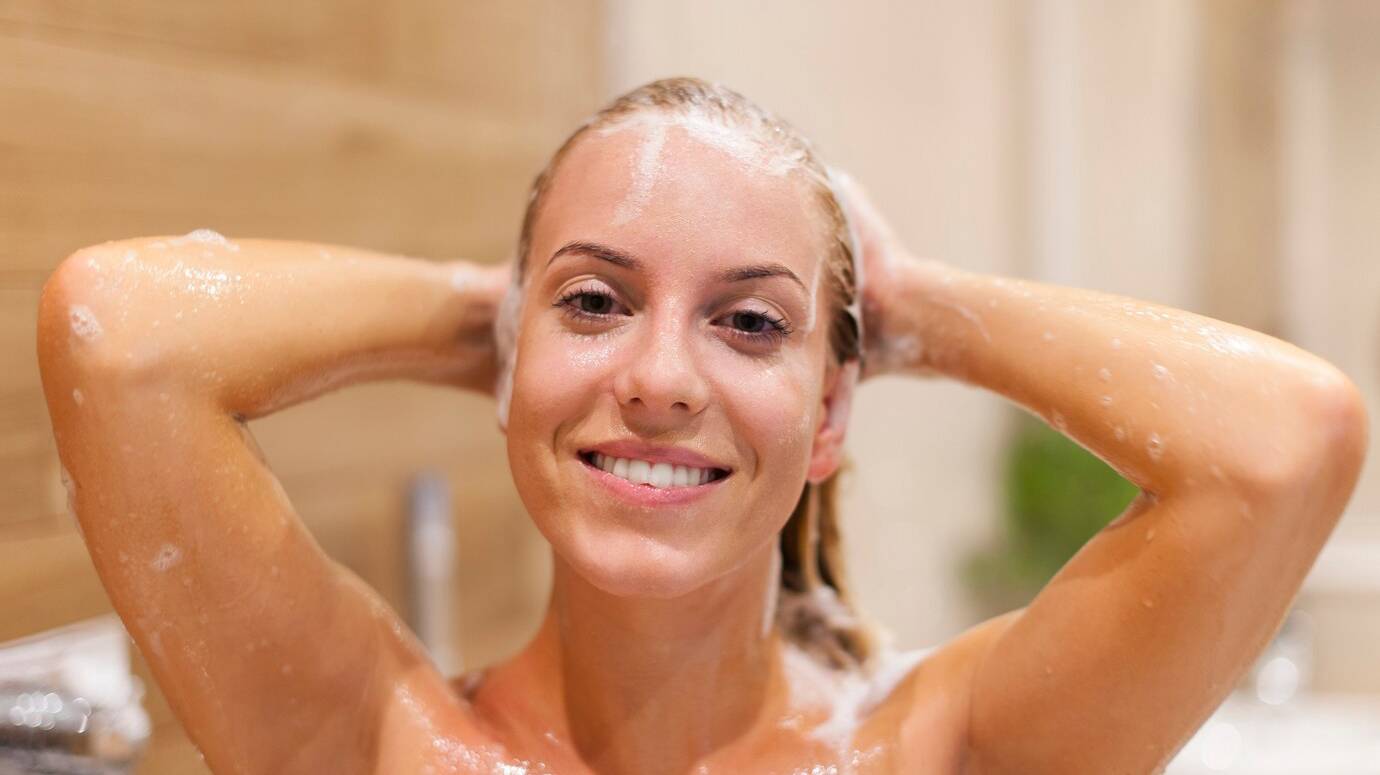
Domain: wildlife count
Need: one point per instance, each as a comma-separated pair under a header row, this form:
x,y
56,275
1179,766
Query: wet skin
x,y
652,656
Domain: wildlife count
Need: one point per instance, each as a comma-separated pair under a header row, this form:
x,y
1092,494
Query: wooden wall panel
x,y
413,127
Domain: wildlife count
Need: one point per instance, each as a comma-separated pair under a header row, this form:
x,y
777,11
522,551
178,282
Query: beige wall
x,y
1330,140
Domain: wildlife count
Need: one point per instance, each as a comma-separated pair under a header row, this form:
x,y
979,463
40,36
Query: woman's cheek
x,y
773,407
560,368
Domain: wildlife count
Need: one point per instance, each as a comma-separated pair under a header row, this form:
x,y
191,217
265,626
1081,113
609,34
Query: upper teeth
x,y
655,474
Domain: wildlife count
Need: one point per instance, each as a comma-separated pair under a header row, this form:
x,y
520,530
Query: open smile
x,y
646,482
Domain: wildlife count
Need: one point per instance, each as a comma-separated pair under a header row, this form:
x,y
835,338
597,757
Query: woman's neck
x,y
652,685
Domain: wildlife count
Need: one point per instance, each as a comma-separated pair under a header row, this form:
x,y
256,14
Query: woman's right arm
x,y
153,354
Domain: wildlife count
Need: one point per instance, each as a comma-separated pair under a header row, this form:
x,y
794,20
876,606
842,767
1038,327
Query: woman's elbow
x,y
82,314
1344,422
1324,438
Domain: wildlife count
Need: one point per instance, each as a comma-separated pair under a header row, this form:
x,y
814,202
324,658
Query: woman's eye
x,y
757,327
750,322
596,304
588,304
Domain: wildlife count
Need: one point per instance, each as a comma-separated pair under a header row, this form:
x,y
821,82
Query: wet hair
x,y
814,610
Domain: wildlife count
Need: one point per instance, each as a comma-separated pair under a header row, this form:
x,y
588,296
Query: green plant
x,y
1057,495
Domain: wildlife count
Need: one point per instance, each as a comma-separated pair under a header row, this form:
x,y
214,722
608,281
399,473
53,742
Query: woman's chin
x,y
647,570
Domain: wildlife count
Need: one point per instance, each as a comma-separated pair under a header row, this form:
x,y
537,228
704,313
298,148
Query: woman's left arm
x,y
1246,449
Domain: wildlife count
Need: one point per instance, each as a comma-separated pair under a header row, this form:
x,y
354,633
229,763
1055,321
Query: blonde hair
x,y
815,611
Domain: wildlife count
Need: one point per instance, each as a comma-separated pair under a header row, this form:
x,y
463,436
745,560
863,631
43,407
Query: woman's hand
x,y
886,266
481,288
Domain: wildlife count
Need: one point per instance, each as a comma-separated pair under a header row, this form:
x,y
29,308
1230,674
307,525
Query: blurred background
x,y
1221,157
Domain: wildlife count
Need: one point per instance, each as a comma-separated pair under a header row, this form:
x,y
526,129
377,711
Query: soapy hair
x,y
814,610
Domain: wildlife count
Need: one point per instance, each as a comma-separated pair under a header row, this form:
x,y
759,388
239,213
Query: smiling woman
x,y
785,193
674,354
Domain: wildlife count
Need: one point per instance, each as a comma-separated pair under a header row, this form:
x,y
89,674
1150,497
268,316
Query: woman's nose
x,y
662,381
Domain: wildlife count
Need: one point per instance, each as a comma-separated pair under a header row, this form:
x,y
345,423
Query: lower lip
x,y
647,495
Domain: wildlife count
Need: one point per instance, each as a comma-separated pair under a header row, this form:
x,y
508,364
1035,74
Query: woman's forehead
x,y
661,188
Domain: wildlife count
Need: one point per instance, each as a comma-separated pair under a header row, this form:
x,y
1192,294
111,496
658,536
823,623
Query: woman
x,y
674,365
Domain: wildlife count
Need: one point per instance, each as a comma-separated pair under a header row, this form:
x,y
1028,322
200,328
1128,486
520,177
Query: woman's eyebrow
x,y
620,258
755,271
595,250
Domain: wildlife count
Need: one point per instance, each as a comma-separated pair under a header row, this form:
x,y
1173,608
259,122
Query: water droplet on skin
x,y
1159,371
163,397
1154,447
77,396
84,323
1104,374
1120,433
1148,603
287,669
168,556
1116,343
1106,400
1059,422
1049,670
1217,472
1150,535
1047,336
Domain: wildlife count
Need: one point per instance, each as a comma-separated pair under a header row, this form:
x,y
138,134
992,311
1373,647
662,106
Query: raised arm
x,y
1246,449
153,354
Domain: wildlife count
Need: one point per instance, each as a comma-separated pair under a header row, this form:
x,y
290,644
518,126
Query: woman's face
x,y
674,312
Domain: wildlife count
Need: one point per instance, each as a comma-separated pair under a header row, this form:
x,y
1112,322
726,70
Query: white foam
x,y
644,176
168,556
505,338
71,488
737,141
204,237
84,322
459,279
849,695
899,351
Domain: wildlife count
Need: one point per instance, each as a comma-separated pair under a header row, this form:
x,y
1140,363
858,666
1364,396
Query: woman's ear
x,y
827,453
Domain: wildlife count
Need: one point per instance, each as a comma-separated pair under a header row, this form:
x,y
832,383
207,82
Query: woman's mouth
x,y
658,475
